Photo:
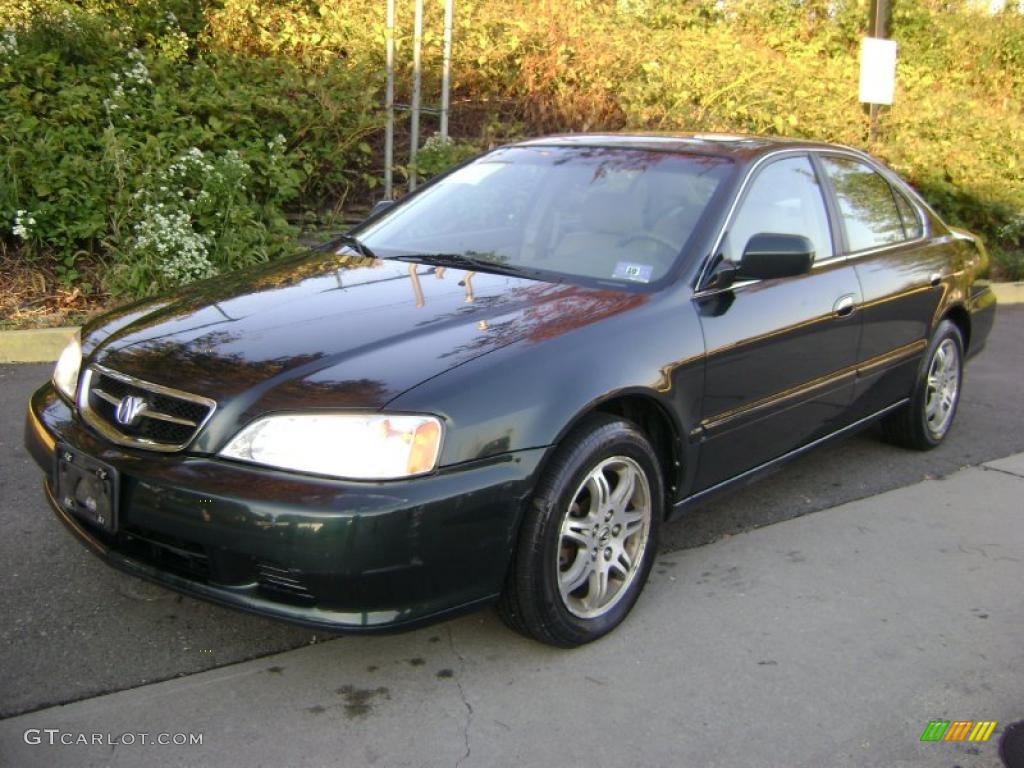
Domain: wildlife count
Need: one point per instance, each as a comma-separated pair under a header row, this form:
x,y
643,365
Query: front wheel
x,y
925,421
589,538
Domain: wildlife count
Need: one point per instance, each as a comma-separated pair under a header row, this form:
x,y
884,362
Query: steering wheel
x,y
670,213
654,238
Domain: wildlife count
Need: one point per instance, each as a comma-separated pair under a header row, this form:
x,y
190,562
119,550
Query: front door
x,y
781,354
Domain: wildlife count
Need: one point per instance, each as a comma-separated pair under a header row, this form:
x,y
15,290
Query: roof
x,y
710,143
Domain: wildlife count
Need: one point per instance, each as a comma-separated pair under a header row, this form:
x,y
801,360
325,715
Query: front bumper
x,y
327,553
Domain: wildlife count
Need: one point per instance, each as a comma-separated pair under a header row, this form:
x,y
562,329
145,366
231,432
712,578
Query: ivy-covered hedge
x,y
146,143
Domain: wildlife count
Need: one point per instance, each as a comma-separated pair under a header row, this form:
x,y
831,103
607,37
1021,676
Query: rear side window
x,y
867,204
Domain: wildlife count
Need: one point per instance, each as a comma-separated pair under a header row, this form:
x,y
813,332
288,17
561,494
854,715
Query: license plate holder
x,y
86,487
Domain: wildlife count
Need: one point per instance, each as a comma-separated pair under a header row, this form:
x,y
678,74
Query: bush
x,y
101,99
438,154
145,159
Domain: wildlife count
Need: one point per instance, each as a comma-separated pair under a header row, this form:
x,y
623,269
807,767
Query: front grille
x,y
180,557
167,419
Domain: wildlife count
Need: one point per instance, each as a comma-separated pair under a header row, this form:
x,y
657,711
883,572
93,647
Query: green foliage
x,y
96,114
439,154
1010,261
101,99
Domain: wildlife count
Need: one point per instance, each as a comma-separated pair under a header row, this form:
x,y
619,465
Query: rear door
x,y
781,354
902,272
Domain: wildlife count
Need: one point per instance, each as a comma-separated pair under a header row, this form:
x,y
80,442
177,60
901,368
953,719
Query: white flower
x,y
173,230
127,83
437,142
8,43
23,223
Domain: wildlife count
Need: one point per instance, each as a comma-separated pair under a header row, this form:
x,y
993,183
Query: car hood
x,y
335,331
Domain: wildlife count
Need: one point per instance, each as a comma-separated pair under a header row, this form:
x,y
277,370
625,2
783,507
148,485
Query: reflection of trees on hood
x,y
549,310
205,365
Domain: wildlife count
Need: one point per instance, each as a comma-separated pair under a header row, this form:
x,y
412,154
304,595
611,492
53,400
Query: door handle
x,y
844,306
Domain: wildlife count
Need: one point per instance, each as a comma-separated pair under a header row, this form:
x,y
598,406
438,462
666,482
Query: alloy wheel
x,y
603,537
943,387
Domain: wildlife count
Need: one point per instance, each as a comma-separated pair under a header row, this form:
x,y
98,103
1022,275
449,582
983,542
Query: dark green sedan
x,y
500,387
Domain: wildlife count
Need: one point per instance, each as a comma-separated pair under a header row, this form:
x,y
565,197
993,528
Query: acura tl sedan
x,y
499,388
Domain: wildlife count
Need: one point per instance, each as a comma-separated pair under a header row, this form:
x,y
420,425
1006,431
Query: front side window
x,y
784,198
866,204
614,214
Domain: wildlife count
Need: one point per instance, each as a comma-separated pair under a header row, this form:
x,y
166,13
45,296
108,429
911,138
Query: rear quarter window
x,y
911,221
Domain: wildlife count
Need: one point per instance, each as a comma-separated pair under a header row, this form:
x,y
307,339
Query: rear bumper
x,y
326,553
983,316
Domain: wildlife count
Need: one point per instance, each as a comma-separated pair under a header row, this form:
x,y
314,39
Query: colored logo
x,y
958,730
129,409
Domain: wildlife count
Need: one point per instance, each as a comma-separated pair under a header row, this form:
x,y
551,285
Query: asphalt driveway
x,y
74,628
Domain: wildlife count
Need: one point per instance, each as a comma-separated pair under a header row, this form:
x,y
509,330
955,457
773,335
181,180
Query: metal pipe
x,y
389,99
447,66
414,139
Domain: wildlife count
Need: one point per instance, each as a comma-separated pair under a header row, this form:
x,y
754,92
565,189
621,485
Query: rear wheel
x,y
926,420
587,543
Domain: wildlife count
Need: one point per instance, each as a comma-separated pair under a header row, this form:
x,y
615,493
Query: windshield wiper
x,y
468,261
353,242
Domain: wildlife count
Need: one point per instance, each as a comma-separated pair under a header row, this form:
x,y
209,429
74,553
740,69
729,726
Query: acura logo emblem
x,y
129,410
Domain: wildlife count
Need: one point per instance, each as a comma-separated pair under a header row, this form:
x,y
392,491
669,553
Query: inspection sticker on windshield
x,y
638,273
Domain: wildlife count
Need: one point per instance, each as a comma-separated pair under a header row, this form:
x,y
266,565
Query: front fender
x,y
529,394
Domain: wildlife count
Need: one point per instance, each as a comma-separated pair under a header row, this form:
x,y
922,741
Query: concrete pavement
x,y
828,640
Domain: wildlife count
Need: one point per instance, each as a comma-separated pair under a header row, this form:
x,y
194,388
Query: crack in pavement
x,y
462,693
1011,473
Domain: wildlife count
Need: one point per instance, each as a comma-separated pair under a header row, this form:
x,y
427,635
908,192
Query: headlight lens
x,y
355,446
65,374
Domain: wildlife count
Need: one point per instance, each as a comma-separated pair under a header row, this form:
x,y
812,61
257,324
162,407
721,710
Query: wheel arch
x,y
961,318
655,419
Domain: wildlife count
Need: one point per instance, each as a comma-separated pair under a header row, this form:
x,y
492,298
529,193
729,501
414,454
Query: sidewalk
x,y
826,641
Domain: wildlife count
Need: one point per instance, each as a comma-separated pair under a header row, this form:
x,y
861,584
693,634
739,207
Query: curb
x,y
36,345
44,345
1009,293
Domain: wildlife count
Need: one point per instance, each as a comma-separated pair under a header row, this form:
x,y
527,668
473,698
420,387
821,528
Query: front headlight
x,y
354,446
65,374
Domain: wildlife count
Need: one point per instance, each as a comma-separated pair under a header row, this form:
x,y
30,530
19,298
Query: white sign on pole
x,y
877,70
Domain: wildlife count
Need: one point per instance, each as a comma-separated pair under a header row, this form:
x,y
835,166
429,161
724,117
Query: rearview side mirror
x,y
769,256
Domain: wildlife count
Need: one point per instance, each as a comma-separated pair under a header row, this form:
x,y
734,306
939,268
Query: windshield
x,y
576,212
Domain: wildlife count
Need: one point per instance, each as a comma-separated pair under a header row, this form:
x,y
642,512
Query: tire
x,y
584,552
926,420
